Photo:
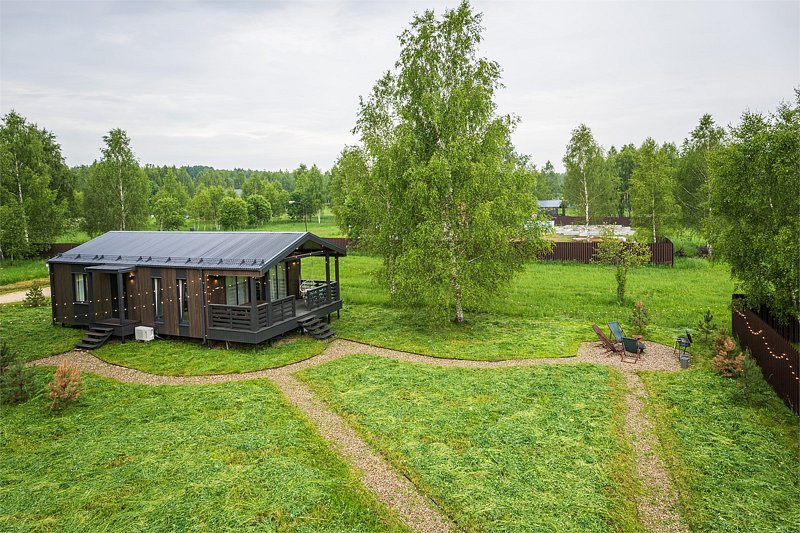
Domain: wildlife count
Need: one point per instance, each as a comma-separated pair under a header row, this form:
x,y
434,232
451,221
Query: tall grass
x,y
229,457
517,449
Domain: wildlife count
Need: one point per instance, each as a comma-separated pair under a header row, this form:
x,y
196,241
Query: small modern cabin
x,y
243,287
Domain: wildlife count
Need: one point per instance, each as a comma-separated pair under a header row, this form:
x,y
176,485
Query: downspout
x,y
52,293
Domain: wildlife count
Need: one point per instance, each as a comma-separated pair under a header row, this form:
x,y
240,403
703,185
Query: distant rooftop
x,y
549,203
195,249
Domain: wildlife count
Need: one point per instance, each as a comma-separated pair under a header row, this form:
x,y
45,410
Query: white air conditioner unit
x,y
144,333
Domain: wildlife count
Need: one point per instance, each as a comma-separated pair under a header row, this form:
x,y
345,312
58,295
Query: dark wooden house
x,y
244,287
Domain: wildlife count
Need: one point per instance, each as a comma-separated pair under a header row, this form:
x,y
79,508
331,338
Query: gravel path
x,y
20,295
657,508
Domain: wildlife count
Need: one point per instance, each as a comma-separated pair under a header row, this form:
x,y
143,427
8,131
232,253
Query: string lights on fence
x,y
760,334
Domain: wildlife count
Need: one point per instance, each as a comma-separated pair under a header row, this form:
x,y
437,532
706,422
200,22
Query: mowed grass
x,y
735,464
30,333
229,457
516,449
189,358
547,311
13,272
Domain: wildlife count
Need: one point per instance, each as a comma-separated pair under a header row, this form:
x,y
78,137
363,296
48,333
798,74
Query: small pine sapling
x,y
640,318
15,379
724,361
34,297
66,387
706,324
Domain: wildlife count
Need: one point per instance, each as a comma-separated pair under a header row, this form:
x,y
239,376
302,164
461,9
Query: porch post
x,y
327,278
336,275
90,295
253,304
121,298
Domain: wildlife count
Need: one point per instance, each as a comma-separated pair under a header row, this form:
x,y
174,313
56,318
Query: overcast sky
x,y
269,85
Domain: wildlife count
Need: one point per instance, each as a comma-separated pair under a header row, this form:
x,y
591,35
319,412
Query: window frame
x,y
183,302
84,284
158,300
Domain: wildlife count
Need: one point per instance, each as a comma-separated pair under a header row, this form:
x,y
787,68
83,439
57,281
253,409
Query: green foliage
x,y
621,164
309,194
30,331
755,208
35,187
622,256
258,209
652,189
233,213
186,358
16,381
692,177
15,271
34,296
447,199
518,449
349,176
168,213
222,458
706,324
117,193
535,318
66,387
733,464
588,183
640,318
548,183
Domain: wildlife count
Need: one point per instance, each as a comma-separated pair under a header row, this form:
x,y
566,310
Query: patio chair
x,y
682,343
633,350
611,347
616,330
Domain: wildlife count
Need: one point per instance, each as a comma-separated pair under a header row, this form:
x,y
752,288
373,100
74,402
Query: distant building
x,y
552,208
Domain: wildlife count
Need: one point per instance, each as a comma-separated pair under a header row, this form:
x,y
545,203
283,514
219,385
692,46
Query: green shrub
x,y
706,324
640,318
15,379
34,297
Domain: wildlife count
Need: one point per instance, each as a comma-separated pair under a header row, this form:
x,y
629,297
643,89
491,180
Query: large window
x,y
79,282
237,290
183,302
279,285
158,299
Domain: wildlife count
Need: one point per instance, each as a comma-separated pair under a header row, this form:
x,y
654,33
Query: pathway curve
x,y
657,508
18,296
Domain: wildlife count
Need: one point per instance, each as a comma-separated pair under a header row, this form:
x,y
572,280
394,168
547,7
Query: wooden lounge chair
x,y
616,330
611,347
632,351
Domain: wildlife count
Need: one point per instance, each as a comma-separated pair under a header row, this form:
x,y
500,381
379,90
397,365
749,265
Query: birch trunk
x,y
21,200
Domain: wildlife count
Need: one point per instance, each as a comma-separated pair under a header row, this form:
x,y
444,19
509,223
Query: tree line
x,y
41,197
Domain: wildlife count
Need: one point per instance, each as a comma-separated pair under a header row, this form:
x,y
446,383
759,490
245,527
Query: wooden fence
x,y
562,220
583,252
778,359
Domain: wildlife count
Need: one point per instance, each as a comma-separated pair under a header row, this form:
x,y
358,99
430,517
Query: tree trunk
x,y
586,205
121,195
319,216
21,201
457,296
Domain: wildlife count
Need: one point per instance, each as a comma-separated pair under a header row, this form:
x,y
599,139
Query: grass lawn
x,y
13,272
518,449
202,458
547,311
735,464
28,330
185,357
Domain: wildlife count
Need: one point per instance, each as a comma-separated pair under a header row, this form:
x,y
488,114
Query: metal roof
x,y
195,249
549,203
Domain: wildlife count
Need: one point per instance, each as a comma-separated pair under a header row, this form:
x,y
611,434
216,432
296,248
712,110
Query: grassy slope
x,y
184,357
547,311
204,458
528,449
13,272
29,331
735,464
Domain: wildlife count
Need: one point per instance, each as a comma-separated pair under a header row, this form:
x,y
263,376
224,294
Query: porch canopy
x,y
111,269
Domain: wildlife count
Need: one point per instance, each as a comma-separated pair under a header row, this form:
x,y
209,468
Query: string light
x,y
760,333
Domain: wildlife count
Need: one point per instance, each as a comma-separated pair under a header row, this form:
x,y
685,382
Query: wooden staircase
x,y
316,328
95,338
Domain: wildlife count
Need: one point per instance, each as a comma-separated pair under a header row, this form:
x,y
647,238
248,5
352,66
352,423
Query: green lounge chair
x,y
633,350
616,330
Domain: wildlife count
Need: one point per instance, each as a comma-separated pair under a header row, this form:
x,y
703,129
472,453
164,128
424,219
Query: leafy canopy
x,y
446,199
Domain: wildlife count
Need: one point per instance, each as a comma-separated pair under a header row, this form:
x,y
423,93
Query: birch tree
x,y
446,196
117,195
652,190
588,183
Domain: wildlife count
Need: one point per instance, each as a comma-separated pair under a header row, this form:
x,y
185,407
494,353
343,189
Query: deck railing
x,y
238,317
319,295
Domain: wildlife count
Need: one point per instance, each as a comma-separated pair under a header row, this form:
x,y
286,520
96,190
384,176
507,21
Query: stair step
x,y
102,329
86,346
98,334
324,336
